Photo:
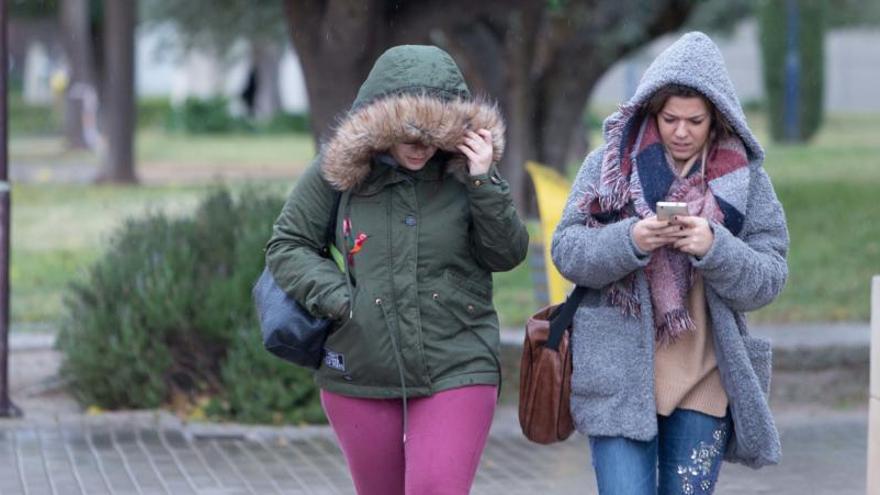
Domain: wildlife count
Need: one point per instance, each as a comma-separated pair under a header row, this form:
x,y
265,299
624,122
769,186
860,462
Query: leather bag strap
x,y
561,317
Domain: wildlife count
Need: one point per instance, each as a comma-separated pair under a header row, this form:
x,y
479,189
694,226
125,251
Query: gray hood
x,y
695,61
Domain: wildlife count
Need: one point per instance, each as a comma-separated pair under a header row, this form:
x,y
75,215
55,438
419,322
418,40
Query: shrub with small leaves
x,y
167,310
260,388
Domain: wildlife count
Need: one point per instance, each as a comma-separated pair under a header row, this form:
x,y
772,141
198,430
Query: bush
x,y
25,118
260,388
775,29
210,116
154,112
167,312
288,122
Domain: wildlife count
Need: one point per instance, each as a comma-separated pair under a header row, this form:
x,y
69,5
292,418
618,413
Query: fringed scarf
x,y
637,171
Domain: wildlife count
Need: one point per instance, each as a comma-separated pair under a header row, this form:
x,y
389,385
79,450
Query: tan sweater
x,y
685,372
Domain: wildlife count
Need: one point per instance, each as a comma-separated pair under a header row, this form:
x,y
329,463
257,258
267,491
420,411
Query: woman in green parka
x,y
411,370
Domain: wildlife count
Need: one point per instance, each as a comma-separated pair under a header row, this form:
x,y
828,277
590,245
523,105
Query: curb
x,y
796,346
31,341
816,363
808,346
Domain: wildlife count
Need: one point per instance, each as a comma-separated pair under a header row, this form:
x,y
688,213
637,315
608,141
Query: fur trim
x,y
346,157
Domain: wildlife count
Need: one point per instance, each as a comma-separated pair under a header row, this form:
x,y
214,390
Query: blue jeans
x,y
687,453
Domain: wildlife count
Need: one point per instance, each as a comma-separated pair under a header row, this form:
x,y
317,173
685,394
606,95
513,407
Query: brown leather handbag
x,y
545,373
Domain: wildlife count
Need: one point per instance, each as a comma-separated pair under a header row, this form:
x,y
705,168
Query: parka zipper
x,y
388,321
397,358
346,214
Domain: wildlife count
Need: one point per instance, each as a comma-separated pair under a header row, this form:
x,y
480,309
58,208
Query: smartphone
x,y
666,210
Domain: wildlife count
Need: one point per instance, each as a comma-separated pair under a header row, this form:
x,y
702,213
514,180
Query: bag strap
x,y
330,233
561,317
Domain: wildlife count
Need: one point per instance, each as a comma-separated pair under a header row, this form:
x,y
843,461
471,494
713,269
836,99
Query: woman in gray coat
x,y
667,381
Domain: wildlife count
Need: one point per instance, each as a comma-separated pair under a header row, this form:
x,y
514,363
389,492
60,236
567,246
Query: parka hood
x,y
694,61
412,94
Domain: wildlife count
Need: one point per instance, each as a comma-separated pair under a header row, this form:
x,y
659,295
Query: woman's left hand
x,y
695,237
477,147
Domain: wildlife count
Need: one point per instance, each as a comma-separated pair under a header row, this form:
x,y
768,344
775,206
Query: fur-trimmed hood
x,y
413,93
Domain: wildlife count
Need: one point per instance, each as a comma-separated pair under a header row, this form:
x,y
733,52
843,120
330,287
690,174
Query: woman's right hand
x,y
650,233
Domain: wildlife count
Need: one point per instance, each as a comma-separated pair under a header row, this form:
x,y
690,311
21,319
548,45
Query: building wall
x,y
163,69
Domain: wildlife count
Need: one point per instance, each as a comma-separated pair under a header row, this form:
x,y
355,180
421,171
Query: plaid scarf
x,y
636,173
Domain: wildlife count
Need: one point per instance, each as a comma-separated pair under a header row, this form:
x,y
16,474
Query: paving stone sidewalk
x,y
154,453
55,449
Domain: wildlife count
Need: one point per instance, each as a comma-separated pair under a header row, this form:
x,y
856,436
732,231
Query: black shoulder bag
x,y
289,330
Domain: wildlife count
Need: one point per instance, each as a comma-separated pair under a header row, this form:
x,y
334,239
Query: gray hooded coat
x,y
613,382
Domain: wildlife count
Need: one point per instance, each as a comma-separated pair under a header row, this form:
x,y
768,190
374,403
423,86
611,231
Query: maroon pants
x,y
446,436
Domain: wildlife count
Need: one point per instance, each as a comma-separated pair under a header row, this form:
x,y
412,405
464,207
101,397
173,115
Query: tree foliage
x,y
538,59
33,8
852,13
217,24
719,16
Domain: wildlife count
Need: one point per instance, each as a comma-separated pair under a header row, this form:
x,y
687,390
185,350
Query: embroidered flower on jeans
x,y
697,477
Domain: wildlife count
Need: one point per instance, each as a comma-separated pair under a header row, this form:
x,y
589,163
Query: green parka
x,y
416,316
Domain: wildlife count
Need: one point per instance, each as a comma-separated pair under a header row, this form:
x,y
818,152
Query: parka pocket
x,y
603,345
341,338
359,349
476,288
465,306
761,357
460,331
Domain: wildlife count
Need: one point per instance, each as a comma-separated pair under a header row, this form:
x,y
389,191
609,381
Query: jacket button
x,y
410,220
378,301
435,296
478,182
470,308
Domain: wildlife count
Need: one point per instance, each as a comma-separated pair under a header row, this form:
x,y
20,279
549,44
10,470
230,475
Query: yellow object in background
x,y
59,82
551,189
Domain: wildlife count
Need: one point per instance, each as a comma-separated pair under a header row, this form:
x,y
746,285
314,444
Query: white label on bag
x,y
334,360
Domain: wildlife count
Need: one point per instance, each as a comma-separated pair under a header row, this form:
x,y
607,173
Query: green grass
x,y
242,149
829,190
27,119
835,248
59,230
157,148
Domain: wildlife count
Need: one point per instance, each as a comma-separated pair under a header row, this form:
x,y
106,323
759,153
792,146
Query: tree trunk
x,y
563,99
519,49
539,59
267,59
496,55
76,33
119,108
580,143
337,42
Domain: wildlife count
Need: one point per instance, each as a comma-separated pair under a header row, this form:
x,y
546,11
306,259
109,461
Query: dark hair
x,y
720,126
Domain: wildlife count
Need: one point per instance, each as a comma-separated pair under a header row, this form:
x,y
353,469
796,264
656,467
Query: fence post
x,y
874,396
7,408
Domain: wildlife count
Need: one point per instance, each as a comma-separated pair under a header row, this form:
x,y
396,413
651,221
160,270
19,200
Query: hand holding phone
x,y
668,209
